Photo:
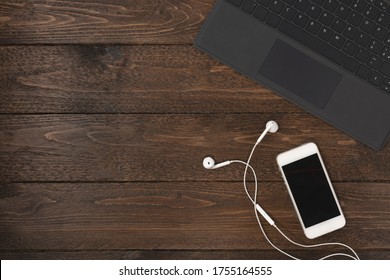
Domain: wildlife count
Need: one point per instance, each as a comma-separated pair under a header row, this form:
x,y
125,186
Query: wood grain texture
x,y
126,79
157,147
101,21
106,113
179,216
178,255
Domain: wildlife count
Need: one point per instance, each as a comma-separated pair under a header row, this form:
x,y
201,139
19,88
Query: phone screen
x,y
311,190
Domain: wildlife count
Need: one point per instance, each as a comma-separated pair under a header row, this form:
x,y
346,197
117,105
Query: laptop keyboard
x,y
354,34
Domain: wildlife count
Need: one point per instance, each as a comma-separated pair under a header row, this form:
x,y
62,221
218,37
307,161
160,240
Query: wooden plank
x,y
101,21
181,255
156,147
175,216
126,79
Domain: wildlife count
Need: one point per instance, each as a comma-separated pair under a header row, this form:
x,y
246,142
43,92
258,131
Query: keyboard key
x,y
236,2
375,46
385,53
276,6
385,69
359,5
343,12
351,64
362,55
355,19
362,39
375,78
312,42
338,41
301,20
383,19
374,62
382,5
273,20
261,13
325,34
249,6
386,85
350,48
338,25
367,26
371,12
313,27
302,5
314,11
379,33
363,72
351,32
331,5
326,18
289,13
385,88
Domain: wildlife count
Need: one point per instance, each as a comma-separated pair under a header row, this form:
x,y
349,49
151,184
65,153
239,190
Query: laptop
x,y
330,57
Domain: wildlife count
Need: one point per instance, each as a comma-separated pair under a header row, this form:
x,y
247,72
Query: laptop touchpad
x,y
300,74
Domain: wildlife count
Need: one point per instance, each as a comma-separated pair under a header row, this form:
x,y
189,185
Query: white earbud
x,y
209,163
272,126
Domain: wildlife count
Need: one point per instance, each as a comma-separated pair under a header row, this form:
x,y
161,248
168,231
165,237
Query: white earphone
x,y
209,163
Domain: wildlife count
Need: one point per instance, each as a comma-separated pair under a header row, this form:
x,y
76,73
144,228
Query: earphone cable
x,y
209,163
254,201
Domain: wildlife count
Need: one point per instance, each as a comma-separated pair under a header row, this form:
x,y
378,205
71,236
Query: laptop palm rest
x,y
300,74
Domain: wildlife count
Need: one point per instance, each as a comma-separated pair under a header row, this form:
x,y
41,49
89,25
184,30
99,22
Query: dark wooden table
x,y
106,113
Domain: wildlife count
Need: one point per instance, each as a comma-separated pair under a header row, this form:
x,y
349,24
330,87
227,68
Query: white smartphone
x,y
311,190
